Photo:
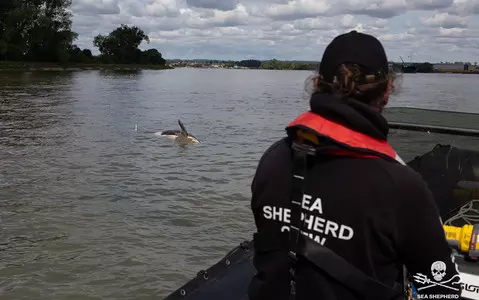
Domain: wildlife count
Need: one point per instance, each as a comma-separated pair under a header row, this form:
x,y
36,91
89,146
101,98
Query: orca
x,y
181,135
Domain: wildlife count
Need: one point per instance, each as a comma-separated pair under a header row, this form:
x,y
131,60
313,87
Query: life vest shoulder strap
x,y
312,129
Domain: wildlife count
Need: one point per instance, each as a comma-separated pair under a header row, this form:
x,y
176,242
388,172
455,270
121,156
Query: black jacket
x,y
379,214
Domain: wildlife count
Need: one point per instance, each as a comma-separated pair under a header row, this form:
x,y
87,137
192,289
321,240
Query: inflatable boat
x,y
452,174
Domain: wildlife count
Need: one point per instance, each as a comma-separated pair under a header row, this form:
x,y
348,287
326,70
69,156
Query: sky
x,y
416,30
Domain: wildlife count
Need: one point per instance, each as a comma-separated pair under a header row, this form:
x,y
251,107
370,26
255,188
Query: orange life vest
x,y
311,125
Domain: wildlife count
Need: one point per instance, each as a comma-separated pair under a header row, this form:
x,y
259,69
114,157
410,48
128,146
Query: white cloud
x,y
163,8
396,37
296,9
218,4
287,29
445,20
96,7
348,20
430,4
312,24
452,32
465,7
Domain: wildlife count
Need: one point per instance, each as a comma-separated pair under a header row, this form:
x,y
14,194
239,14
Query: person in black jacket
x,y
338,214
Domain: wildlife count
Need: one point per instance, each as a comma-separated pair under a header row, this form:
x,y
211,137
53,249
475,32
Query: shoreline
x,y
8,66
457,72
14,66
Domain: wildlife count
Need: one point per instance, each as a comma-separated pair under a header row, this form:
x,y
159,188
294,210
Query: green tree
x,y
121,45
250,63
87,53
36,30
275,64
152,57
80,56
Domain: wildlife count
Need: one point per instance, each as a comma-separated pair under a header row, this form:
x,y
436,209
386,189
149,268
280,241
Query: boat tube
x,y
227,279
451,173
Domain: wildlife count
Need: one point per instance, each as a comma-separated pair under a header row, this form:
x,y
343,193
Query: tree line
x,y
41,31
275,64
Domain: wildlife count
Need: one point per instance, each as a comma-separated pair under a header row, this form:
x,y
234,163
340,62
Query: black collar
x,y
351,113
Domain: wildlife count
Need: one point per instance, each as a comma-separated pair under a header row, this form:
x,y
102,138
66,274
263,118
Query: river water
x,y
92,208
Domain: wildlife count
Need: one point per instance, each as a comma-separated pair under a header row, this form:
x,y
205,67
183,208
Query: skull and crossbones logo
x,y
438,270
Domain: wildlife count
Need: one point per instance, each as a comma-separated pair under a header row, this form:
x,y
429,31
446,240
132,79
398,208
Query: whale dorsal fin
x,y
182,127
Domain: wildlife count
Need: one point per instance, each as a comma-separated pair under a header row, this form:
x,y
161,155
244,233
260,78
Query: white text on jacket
x,y
321,227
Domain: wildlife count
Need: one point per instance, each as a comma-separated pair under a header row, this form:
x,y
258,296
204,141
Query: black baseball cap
x,y
357,48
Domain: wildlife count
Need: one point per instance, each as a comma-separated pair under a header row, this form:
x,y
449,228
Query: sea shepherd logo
x,y
438,272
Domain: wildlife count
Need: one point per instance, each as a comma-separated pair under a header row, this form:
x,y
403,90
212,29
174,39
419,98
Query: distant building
x,y
451,67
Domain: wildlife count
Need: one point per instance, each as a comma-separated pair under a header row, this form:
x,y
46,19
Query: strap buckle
x,y
293,256
304,148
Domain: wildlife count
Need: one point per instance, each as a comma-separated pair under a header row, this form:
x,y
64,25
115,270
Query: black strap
x,y
331,263
300,160
320,256
345,273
